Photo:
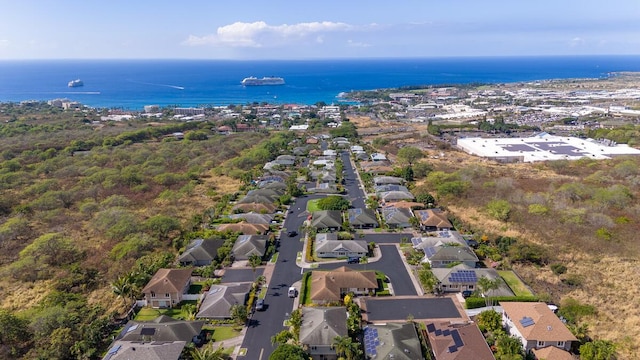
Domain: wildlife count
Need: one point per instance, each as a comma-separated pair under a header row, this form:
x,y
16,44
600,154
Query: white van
x,y
293,292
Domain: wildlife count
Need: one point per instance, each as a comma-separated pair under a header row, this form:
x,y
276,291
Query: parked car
x,y
292,233
260,305
293,292
353,260
467,293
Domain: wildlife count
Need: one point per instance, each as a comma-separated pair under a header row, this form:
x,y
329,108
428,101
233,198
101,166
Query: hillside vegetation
x,y
81,204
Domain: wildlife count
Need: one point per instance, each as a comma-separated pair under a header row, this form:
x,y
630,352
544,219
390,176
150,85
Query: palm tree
x,y
209,354
346,348
487,286
123,287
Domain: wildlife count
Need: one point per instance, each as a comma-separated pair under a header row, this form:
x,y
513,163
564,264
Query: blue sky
x,y
277,29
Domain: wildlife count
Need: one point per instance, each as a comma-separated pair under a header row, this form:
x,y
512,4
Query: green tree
x,y
239,313
347,348
161,225
281,338
489,321
598,350
209,354
509,348
254,261
334,202
123,287
499,209
409,155
487,286
14,333
288,352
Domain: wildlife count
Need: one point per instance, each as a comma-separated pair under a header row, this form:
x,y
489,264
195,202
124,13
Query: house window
x,y
166,295
560,343
153,294
540,343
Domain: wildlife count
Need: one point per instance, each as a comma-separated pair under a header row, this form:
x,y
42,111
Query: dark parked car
x,y
260,305
292,233
353,260
467,293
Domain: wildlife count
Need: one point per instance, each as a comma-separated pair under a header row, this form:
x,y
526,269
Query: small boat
x,y
75,83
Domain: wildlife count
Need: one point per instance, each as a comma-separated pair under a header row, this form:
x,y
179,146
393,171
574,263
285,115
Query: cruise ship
x,y
269,80
75,83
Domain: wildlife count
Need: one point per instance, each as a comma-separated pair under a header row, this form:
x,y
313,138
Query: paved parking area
x,y
392,308
241,275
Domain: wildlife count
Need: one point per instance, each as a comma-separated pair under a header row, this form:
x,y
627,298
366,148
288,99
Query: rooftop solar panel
x,y
148,331
527,321
452,349
457,340
431,327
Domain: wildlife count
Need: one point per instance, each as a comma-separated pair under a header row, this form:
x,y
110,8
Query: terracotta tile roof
x,y
257,207
458,341
552,353
168,281
433,218
546,325
245,228
326,285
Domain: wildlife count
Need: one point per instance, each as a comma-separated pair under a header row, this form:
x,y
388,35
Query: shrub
x,y
538,209
499,209
475,302
558,269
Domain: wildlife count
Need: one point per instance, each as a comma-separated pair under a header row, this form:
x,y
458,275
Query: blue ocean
x,y
131,84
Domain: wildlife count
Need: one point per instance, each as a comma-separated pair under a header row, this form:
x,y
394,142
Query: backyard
x,y
177,312
514,282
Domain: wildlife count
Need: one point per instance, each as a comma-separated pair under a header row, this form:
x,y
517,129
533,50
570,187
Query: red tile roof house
x,y
535,325
166,287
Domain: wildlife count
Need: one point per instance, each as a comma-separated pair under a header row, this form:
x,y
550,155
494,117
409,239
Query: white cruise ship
x,y
269,80
75,83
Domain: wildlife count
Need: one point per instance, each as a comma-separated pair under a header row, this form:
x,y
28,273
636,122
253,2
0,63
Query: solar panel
x,y
148,331
526,321
445,332
416,241
463,276
430,251
371,340
438,332
453,349
431,327
457,340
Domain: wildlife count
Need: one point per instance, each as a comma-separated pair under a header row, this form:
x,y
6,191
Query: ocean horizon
x,y
132,84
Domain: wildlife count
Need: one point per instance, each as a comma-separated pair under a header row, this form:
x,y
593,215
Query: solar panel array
x,y
454,334
416,241
371,341
444,234
424,215
463,276
526,321
430,251
354,213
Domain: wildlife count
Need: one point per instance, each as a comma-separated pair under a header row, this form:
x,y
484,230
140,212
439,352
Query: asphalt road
x,y
265,324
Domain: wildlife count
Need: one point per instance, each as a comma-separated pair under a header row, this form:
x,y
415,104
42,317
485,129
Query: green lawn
x,y
312,205
221,333
518,288
148,314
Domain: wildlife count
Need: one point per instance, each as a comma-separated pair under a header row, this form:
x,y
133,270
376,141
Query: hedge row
x,y
475,302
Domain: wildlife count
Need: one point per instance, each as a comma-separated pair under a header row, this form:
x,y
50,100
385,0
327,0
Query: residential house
x,y
285,160
443,256
433,220
378,157
406,204
244,228
166,287
397,218
378,189
253,218
200,252
393,196
263,208
327,245
219,299
126,350
161,329
362,218
552,353
247,245
324,188
327,220
331,286
535,325
387,180
397,341
319,328
457,341
462,277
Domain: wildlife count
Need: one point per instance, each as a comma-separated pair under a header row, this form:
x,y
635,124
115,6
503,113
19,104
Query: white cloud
x,y
357,44
261,34
576,41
